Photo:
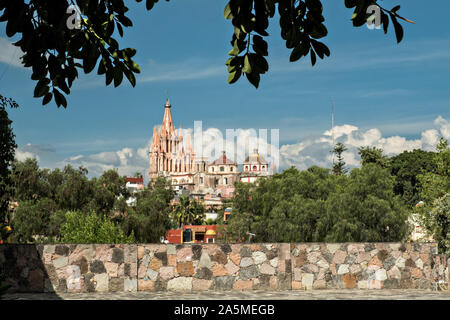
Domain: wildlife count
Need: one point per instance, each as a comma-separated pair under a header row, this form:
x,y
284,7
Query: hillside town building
x,y
193,175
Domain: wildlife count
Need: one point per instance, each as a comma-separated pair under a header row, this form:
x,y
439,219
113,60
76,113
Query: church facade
x,y
171,158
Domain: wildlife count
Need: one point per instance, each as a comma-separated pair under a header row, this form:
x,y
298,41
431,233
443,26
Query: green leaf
x,y
41,88
227,12
234,76
260,64
320,48
130,76
253,78
247,64
47,98
59,98
313,57
118,76
260,45
299,51
149,4
397,27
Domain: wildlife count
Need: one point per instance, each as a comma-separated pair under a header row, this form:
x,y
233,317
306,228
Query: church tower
x,y
167,154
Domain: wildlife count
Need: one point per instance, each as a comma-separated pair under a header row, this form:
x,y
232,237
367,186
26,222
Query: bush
x,y
90,228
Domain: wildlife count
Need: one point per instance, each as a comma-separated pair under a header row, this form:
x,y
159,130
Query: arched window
x,y
225,180
222,169
254,168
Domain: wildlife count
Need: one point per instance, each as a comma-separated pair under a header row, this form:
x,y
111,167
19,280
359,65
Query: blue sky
x,y
401,90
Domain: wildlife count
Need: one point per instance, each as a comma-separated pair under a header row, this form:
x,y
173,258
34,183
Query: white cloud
x,y
316,151
23,155
9,53
305,153
183,70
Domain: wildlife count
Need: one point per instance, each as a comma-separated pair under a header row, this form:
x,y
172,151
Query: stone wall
x,y
196,267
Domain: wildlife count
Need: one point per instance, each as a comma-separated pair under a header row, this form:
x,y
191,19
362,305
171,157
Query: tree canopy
x,y
315,205
7,150
58,41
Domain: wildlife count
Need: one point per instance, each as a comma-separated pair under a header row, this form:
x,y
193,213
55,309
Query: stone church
x,y
175,160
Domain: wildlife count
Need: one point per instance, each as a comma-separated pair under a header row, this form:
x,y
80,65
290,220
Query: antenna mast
x,y
332,126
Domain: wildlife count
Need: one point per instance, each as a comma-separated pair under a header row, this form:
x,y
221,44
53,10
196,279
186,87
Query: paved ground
x,y
249,295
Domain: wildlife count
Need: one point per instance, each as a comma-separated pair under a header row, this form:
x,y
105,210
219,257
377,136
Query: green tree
x,y
29,180
437,222
366,210
373,155
151,220
7,151
32,219
406,167
91,228
56,47
315,205
436,184
339,166
188,212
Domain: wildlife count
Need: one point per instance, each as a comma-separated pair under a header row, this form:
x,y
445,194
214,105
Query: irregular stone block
x,y
196,251
185,269
116,285
152,274
226,248
172,260
219,270
349,280
339,257
62,250
36,280
155,264
117,255
205,260
266,268
319,284
307,280
111,268
245,252
101,282
343,268
97,266
231,268
259,257
140,252
130,285
171,249
145,285
204,273
181,284
201,284
220,257
246,262
167,273
184,254
296,285
235,257
60,262
224,283
248,273
333,247
243,285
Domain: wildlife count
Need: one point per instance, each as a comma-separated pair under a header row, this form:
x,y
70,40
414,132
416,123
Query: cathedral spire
x,y
167,124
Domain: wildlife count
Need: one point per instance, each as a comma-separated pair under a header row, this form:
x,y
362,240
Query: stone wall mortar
x,y
222,267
